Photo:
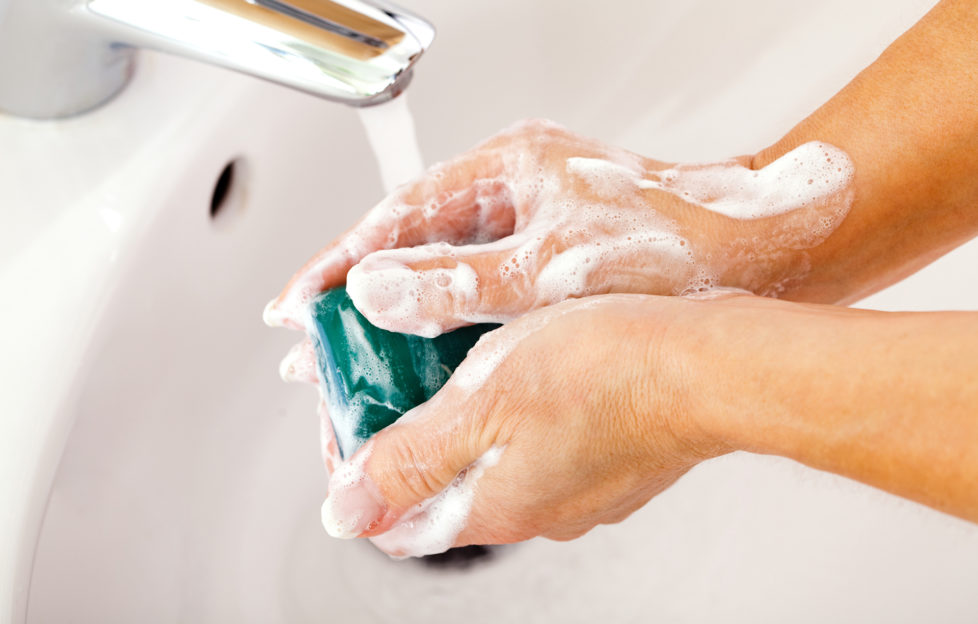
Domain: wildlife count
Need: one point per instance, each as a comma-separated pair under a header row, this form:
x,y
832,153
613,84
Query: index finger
x,y
457,201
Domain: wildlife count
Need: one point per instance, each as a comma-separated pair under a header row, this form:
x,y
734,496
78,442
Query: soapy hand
x,y
540,431
538,214
579,413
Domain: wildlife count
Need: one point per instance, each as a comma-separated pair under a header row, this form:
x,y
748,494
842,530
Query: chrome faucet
x,y
63,57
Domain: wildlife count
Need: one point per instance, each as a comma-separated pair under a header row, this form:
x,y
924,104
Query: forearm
x,y
910,125
888,399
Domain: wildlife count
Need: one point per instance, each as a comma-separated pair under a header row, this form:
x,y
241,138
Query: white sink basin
x,y
156,468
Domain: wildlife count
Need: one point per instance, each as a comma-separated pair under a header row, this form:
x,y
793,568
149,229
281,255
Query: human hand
x,y
538,214
578,414
566,418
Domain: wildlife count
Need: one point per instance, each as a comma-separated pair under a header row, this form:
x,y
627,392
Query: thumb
x,y
401,468
431,289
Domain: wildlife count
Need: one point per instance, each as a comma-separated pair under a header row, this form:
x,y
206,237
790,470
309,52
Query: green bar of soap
x,y
373,376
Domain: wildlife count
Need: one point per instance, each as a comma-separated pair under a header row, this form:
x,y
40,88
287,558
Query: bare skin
x,y
909,123
588,445
659,384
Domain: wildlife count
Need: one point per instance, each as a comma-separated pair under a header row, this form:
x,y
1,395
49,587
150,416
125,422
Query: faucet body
x,y
63,57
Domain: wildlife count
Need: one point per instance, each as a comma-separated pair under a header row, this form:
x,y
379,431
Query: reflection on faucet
x,y
359,52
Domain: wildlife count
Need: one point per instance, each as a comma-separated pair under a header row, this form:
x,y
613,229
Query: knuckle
x,y
538,127
411,472
526,134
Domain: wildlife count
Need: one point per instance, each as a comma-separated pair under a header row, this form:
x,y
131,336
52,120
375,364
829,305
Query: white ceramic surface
x,y
140,388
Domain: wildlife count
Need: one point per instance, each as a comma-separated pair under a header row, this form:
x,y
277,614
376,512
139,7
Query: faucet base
x,y
53,69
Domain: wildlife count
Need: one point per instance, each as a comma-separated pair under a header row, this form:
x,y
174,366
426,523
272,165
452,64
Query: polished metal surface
x,y
60,58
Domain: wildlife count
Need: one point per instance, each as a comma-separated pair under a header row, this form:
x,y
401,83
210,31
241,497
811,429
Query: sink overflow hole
x,y
222,189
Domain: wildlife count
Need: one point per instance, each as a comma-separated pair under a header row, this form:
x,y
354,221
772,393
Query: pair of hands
x,y
588,399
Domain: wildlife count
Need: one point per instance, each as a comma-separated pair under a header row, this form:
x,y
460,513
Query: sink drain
x,y
461,558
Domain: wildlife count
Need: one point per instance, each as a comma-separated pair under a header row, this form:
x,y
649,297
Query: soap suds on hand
x,y
607,234
552,243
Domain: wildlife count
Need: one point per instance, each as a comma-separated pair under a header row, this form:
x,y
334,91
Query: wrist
x,y
739,363
756,225
883,398
670,394
769,372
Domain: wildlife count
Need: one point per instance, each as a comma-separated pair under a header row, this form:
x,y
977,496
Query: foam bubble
x,y
802,177
607,179
394,296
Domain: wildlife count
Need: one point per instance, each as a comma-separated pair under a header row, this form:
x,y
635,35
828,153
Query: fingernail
x,y
272,316
286,368
299,364
353,504
286,314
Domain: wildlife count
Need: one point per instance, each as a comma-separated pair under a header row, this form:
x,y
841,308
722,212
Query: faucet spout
x,y
359,52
